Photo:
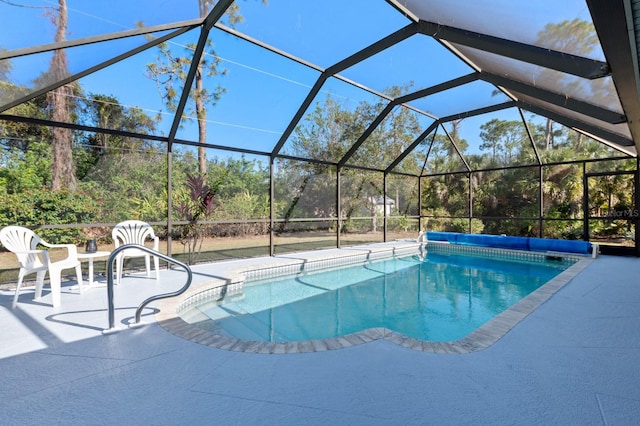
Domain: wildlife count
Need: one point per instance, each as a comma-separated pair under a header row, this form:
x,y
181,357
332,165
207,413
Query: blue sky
x,y
263,90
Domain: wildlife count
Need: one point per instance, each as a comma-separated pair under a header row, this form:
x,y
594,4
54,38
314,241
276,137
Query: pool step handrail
x,y
111,260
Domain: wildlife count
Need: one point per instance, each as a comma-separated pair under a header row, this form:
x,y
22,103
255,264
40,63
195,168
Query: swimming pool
x,y
441,299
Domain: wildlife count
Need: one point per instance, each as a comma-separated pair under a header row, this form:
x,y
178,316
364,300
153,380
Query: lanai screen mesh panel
x,y
347,108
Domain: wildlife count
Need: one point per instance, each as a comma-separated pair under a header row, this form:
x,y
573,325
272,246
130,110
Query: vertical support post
x,y
470,200
169,198
636,203
384,207
420,205
271,207
540,201
338,206
585,202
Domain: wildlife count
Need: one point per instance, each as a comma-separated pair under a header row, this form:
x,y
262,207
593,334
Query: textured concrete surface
x,y
572,361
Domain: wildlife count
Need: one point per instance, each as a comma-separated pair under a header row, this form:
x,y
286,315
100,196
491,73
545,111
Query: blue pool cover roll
x,y
513,243
569,246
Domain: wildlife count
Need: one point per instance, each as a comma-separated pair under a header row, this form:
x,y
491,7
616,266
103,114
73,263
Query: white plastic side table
x,y
90,257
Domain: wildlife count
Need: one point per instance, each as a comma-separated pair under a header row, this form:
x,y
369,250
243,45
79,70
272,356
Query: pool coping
x,y
483,337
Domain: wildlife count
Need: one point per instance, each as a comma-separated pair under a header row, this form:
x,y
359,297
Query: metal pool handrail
x,y
166,258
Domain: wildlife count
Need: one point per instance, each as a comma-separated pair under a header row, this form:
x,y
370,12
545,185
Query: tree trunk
x,y
201,113
63,168
204,7
547,136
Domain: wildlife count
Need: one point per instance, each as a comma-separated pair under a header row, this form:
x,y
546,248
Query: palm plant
x,y
199,204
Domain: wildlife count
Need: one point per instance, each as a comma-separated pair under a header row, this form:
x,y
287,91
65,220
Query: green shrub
x,y
44,207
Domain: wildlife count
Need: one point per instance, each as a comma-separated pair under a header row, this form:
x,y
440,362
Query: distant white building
x,y
383,207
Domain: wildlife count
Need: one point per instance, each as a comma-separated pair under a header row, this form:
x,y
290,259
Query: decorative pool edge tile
x,y
499,253
323,262
483,337
280,267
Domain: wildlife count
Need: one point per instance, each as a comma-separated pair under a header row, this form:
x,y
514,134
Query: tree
x,y
454,132
576,37
504,139
238,175
308,188
20,136
171,70
397,131
5,69
27,170
327,133
106,112
63,168
8,90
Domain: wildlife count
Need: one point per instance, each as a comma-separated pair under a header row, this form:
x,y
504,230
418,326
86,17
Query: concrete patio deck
x,y
573,361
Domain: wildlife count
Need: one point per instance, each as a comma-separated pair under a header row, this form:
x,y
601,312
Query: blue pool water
x,y
440,298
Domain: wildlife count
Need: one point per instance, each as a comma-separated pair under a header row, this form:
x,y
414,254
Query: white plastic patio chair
x,y
134,232
24,244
